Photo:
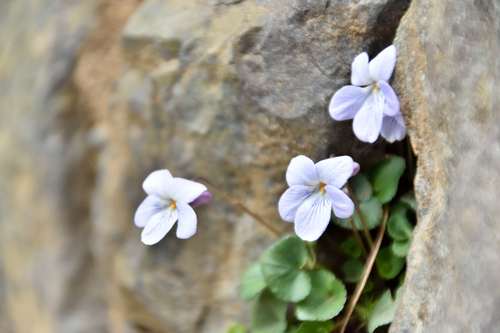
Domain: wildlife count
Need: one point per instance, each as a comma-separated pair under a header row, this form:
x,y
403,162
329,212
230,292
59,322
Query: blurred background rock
x,y
95,94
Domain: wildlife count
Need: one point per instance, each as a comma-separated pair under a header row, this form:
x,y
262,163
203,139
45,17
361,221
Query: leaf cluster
x,y
287,277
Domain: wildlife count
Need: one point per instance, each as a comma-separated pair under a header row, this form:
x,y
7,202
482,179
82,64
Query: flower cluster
x,y
370,100
315,189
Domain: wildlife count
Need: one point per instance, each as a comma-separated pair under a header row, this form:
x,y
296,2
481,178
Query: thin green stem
x,y
357,236
310,248
366,231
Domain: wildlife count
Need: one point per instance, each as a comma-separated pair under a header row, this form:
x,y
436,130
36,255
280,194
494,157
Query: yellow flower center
x,y
322,187
173,204
375,87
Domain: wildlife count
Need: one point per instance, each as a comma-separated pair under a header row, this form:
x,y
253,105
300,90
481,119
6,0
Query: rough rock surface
x,y
45,172
447,74
95,94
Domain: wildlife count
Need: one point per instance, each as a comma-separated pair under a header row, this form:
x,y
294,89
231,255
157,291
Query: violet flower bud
x,y
202,199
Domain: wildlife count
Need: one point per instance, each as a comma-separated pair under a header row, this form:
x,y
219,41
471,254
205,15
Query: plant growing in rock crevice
x,y
288,279
293,289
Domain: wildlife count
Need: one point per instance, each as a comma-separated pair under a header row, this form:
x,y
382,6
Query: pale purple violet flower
x,y
370,101
314,191
169,200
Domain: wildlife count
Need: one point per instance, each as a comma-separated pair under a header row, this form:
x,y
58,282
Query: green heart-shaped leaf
x,y
269,314
350,247
388,265
372,213
252,283
282,267
385,178
352,270
315,327
398,227
399,208
237,328
382,312
409,200
326,300
400,248
361,187
365,306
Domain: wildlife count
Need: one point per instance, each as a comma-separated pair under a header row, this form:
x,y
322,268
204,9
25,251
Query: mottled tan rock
x,y
45,162
447,75
245,90
224,90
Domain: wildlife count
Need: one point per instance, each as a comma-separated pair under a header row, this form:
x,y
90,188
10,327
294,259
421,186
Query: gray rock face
x,y
45,161
233,98
447,75
96,94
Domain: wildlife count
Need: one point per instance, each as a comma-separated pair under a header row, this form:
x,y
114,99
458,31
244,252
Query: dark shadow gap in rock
x,y
387,23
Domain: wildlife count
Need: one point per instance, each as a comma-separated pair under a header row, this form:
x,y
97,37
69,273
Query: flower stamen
x,y
173,204
322,187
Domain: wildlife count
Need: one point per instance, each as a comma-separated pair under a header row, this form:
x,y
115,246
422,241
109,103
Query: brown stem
x,y
366,273
238,205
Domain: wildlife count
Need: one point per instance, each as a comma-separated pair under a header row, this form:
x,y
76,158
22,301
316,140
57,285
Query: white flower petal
x,y
291,199
301,171
186,226
184,190
158,226
393,128
148,207
360,73
382,66
313,217
368,120
391,99
343,207
336,170
157,182
347,101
